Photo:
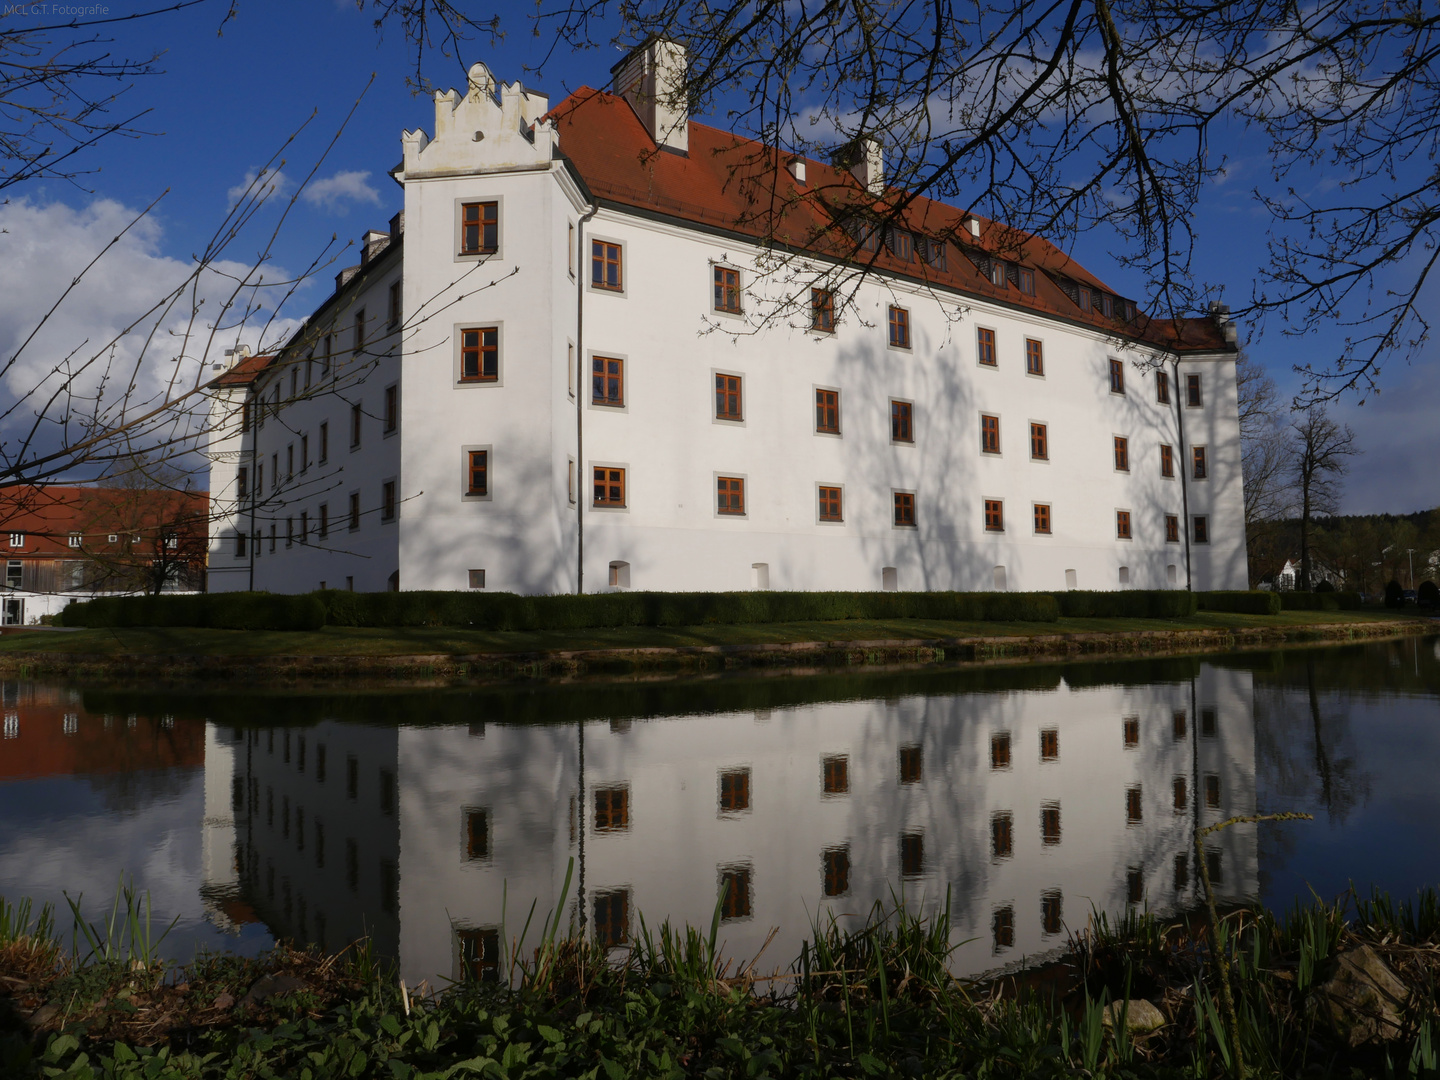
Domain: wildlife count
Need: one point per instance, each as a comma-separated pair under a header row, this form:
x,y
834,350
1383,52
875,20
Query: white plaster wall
x,y
367,556
673,538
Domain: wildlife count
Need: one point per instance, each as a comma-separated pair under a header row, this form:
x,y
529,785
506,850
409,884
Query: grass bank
x,y
1138,998
345,651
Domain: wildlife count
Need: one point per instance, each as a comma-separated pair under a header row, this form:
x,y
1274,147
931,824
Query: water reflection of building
x,y
1028,806
316,832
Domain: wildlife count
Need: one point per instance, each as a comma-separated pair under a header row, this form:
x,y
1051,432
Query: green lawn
x,y
356,641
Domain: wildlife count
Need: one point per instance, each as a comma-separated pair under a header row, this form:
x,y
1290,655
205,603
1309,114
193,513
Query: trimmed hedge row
x,y
508,611
511,612
1241,603
222,611
1129,604
1319,601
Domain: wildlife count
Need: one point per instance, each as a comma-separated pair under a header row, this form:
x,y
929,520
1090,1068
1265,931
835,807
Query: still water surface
x,y
430,819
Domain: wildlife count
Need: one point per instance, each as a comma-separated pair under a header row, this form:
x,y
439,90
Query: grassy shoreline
x,y
423,651
873,1000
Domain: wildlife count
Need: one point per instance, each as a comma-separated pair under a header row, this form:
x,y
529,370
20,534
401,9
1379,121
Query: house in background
x,y
64,543
582,359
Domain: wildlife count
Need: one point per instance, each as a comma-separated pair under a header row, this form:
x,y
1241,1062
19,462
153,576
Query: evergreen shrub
x,y
1129,604
1240,602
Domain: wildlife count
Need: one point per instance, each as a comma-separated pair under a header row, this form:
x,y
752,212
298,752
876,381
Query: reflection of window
x,y
611,912
1050,823
1182,794
836,774
1182,872
477,834
352,777
837,871
1207,723
1000,750
1002,840
1134,810
1052,918
735,880
734,791
1002,927
1134,886
612,809
479,954
1132,731
912,855
389,887
1178,723
1050,744
1212,792
1214,867
352,864
387,792
912,764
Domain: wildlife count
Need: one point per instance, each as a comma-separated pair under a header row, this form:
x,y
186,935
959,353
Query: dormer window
x,y
1025,281
73,540
997,273
931,251
900,243
865,233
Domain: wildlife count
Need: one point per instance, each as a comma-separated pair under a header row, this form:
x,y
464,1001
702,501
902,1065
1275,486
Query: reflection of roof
x,y
48,516
51,740
245,372
711,186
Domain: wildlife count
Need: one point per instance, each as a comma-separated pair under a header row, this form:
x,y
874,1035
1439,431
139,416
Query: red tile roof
x,y
731,183
47,516
245,372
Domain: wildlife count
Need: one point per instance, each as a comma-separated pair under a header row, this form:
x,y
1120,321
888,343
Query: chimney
x,y
371,244
972,226
797,169
866,161
232,357
652,79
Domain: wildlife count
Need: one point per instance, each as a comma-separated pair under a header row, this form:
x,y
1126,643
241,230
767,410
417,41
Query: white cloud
x,y
126,321
271,183
333,193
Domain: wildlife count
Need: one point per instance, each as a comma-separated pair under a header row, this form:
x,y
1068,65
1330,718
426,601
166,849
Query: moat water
x,y
432,820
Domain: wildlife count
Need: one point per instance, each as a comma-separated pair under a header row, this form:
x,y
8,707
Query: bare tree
x,y
1264,462
1058,116
1321,450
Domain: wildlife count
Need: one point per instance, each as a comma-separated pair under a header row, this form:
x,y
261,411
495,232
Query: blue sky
x,y
226,102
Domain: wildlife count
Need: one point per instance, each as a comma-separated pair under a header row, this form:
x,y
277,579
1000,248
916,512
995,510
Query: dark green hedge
x,y
1319,601
1129,604
225,611
1243,603
508,611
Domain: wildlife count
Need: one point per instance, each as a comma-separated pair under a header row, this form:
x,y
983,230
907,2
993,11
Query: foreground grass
x,y
410,641
876,1001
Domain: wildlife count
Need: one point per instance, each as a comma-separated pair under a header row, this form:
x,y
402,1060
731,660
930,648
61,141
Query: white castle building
x,y
583,358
